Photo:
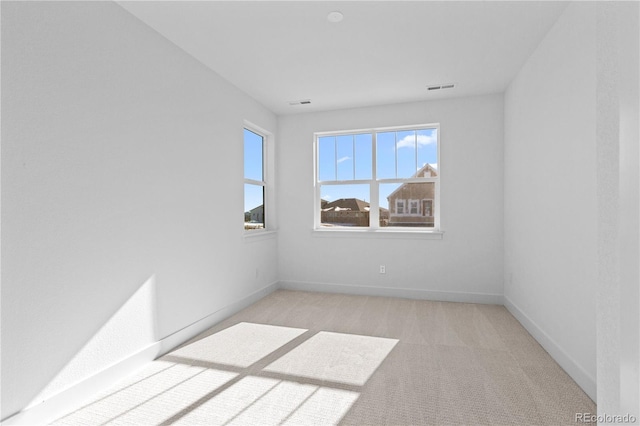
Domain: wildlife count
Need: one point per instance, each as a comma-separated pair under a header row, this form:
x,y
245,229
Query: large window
x,y
254,180
378,178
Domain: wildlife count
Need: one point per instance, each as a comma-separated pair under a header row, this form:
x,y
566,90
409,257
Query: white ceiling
x,y
383,52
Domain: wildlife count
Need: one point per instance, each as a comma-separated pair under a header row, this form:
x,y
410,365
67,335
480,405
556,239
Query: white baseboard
x,y
568,364
76,395
405,293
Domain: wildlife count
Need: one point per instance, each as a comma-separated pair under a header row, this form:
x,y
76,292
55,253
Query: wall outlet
x,y
383,269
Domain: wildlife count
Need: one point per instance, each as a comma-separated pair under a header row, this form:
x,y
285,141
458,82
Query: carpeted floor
x,y
303,358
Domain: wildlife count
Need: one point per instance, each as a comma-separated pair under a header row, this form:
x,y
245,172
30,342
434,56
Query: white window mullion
x,y
435,205
318,206
395,150
374,209
415,139
255,182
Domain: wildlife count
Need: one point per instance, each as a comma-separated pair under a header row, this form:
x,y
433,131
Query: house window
x,y
378,178
413,207
427,207
254,180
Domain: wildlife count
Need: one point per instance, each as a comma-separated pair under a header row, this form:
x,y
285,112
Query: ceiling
x,y
383,52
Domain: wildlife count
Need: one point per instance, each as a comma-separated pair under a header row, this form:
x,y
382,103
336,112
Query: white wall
x,y
551,208
465,265
121,193
618,132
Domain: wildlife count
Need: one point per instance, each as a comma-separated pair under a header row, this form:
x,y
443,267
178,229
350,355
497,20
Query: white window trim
x,y
267,182
435,232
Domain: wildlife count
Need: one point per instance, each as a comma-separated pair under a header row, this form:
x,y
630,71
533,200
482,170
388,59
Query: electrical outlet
x,y
383,269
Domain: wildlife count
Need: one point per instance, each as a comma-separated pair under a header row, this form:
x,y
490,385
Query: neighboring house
x,y
348,212
257,214
412,204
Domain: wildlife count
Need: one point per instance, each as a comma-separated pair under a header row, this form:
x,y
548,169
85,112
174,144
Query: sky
x,y
398,155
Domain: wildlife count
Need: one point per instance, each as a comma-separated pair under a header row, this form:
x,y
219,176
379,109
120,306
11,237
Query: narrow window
x,y
413,207
427,207
254,181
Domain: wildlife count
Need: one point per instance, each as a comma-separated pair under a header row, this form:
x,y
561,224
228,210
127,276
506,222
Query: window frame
x,y
265,183
374,184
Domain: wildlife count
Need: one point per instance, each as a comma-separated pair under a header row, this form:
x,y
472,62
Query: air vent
x,y
441,86
300,102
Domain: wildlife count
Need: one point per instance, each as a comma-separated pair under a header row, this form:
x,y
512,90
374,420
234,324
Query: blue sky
x,y
398,155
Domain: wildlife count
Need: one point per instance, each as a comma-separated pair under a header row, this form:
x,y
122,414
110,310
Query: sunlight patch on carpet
x,y
336,357
158,394
240,345
264,401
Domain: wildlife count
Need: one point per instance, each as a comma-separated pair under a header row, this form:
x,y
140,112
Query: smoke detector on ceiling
x,y
335,17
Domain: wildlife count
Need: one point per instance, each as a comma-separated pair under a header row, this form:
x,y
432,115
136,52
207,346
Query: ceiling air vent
x,y
300,102
441,86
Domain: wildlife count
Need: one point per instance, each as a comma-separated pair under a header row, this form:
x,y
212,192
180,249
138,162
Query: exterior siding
x,y
420,196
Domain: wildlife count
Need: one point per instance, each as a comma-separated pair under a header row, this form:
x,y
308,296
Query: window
x,y
254,180
427,207
413,207
378,178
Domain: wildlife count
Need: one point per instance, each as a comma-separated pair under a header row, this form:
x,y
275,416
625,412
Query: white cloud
x,y
340,160
409,141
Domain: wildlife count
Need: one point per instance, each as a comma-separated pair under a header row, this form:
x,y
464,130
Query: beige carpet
x,y
301,358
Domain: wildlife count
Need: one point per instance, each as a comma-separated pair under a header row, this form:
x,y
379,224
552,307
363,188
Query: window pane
x,y
408,204
363,156
327,158
344,145
428,148
386,155
253,206
406,152
344,205
253,146
385,190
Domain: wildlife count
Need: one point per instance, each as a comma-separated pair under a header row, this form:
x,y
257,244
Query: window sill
x,y
379,233
259,235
